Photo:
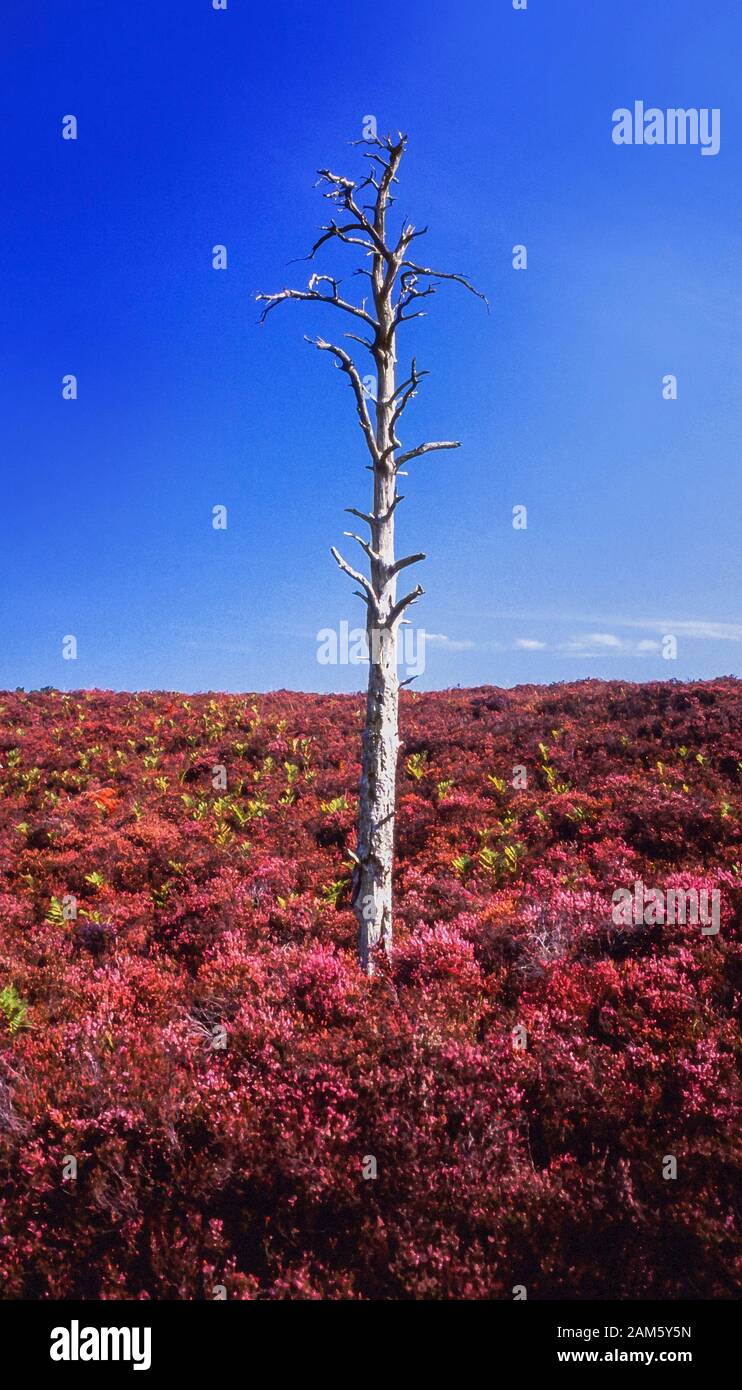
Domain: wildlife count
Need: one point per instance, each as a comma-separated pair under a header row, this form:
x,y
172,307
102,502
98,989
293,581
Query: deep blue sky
x,y
199,127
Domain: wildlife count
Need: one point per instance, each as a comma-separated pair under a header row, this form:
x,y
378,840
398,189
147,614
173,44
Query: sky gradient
x,y
200,127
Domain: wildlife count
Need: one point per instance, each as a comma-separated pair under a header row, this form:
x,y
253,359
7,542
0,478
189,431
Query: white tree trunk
x,y
373,895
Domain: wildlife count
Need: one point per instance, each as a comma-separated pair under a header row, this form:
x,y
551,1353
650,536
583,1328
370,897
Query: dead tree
x,y
398,285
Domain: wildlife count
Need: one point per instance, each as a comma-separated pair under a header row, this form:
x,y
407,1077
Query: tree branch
x,y
348,366
362,516
392,509
399,608
426,449
363,341
313,295
408,234
342,190
333,230
405,392
408,292
382,517
446,275
408,560
369,593
372,554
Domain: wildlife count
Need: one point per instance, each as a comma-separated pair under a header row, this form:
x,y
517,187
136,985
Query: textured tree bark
x,y
392,272
375,851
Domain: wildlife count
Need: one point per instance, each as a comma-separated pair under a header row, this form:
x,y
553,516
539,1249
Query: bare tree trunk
x,y
373,896
392,270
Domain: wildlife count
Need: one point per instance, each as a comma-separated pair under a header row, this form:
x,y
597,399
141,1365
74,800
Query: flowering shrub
x,y
198,1087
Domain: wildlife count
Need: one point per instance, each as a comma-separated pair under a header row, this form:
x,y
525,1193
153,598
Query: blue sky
x,y
199,127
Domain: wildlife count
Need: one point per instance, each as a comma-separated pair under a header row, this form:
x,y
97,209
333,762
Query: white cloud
x,y
700,629
593,644
451,644
689,627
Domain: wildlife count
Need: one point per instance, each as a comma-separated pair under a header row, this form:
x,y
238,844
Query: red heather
x,y
199,1036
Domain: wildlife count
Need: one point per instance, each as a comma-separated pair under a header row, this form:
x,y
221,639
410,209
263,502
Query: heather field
x,y
199,1089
